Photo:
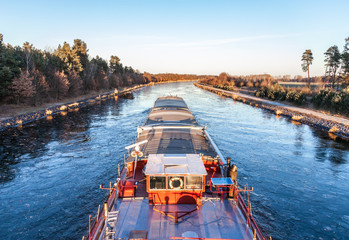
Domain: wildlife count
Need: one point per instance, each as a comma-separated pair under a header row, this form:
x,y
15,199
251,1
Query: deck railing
x,y
97,225
258,235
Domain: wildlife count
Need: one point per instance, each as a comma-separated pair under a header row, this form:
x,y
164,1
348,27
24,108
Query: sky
x,y
240,37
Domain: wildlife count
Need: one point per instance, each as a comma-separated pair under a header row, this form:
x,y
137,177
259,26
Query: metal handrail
x,y
96,228
250,220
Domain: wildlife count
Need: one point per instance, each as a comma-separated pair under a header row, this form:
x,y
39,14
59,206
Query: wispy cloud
x,y
132,38
217,42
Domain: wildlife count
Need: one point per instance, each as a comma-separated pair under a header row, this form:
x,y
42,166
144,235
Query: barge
x,y
175,184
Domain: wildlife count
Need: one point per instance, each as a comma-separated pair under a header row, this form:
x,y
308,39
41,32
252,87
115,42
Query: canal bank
x,y
63,108
335,126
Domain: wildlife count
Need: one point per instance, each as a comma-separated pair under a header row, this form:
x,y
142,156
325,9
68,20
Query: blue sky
x,y
201,37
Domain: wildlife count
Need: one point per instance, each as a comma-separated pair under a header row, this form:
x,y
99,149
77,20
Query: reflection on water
x,y
50,170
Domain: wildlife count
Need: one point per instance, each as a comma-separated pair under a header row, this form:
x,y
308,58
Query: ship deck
x,y
175,141
172,129
214,219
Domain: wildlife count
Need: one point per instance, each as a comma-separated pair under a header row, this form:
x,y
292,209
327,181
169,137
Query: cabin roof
x,y
170,101
169,164
170,111
170,117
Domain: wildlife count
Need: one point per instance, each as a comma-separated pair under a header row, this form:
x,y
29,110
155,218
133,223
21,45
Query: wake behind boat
x,y
175,184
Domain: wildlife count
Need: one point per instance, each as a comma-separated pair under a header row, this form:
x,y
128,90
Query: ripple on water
x,y
300,178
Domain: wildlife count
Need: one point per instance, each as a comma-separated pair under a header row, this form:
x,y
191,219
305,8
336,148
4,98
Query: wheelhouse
x,y
175,178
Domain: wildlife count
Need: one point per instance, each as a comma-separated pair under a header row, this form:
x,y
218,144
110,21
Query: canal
x,y
50,170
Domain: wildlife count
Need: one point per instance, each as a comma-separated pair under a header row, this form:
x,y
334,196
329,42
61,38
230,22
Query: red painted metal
x,y
89,227
127,188
100,221
248,216
175,197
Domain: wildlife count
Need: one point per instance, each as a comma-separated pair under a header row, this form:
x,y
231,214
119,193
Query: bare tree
x,y
28,53
22,86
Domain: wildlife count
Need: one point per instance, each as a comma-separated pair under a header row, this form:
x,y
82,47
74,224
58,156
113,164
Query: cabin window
x,y
193,182
156,183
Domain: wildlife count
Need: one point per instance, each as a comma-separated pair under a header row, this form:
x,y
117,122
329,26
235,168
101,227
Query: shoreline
x,y
64,107
334,126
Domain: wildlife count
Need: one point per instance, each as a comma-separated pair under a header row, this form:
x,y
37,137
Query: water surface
x,y
50,170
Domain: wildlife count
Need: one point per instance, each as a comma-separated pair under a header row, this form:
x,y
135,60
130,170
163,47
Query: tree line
x,y
33,76
170,77
228,82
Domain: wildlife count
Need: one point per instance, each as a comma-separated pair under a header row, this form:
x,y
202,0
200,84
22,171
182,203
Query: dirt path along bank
x,y
335,126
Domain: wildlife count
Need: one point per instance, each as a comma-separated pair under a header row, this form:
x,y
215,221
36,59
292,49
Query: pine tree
x,y
80,49
333,61
307,59
69,57
345,64
115,65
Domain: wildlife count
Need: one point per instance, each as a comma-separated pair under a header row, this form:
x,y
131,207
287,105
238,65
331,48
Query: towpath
x,y
300,110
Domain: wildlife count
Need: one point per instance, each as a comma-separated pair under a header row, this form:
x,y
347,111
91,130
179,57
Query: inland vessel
x,y
174,184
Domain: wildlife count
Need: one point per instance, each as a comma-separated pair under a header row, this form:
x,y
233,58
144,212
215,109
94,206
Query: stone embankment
x,y
335,126
19,120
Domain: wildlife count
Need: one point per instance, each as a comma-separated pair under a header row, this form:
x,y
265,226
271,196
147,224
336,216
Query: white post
x,y
134,171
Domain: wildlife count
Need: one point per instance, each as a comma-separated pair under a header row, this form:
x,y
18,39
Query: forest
x,y
33,76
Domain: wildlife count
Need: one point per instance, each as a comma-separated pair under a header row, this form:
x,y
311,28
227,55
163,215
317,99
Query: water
x,y
50,170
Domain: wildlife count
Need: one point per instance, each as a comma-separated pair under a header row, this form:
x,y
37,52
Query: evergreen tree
x,y
70,58
11,62
80,49
115,65
345,57
307,59
345,64
332,60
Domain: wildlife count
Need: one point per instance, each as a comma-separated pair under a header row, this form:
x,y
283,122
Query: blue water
x,y
50,170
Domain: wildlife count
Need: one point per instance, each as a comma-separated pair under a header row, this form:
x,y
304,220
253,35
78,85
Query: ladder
x,y
110,227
